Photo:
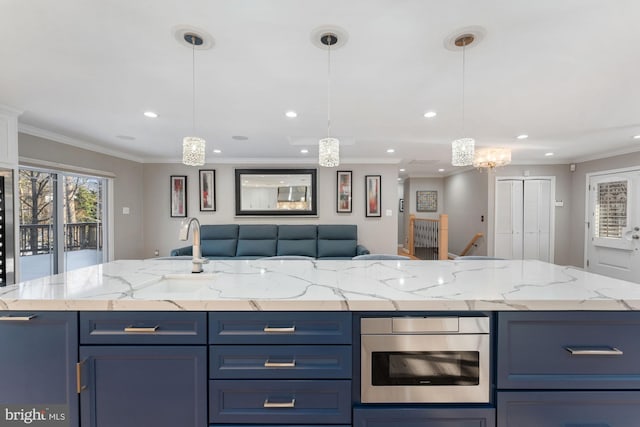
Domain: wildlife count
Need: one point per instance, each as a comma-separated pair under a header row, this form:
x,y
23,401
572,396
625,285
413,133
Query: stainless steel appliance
x,y
6,228
425,359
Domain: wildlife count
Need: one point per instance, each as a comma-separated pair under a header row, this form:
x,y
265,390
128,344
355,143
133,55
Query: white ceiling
x,y
564,72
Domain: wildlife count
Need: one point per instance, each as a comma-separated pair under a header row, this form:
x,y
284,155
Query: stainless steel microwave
x,y
425,360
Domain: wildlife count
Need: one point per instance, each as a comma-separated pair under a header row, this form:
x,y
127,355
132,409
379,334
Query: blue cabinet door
x,y
133,386
38,356
423,417
569,409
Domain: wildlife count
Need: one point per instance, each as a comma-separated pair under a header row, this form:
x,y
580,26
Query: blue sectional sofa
x,y
252,241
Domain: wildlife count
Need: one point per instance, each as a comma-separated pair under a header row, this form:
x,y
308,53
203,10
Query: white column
x,y
9,136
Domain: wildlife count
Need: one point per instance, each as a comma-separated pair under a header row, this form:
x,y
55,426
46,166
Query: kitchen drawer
x,y
143,327
423,417
569,409
535,350
280,402
280,361
280,328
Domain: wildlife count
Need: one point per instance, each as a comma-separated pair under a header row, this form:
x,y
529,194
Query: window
x,y
611,209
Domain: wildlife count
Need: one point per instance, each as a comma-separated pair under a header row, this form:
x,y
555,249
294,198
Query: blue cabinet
x,y
576,350
569,409
145,384
38,356
280,368
382,416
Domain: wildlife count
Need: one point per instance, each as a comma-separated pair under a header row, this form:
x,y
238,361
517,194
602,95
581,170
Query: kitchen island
x,y
271,285
271,342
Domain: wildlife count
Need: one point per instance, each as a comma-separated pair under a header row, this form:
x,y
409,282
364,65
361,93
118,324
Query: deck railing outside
x,y
36,239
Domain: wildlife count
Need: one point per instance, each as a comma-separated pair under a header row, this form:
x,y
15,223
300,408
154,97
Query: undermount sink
x,y
187,283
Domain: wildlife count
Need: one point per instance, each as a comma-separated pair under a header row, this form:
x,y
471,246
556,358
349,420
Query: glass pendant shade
x,y
329,152
492,157
193,149
462,151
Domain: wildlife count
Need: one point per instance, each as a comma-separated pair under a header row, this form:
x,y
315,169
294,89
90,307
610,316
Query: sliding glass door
x,y
61,222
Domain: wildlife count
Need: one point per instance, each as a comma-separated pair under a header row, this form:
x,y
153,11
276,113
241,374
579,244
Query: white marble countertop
x,y
324,285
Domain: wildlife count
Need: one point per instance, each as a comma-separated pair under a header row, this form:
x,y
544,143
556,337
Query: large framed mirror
x,y
276,192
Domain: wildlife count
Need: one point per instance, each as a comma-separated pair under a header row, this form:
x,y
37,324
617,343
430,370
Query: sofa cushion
x,y
297,240
337,241
219,240
257,240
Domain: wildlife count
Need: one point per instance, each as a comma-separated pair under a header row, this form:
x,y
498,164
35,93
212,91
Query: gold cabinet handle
x,y
142,329
285,330
79,386
270,364
268,404
18,318
595,351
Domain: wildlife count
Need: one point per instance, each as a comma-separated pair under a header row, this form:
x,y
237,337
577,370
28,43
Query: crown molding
x,y
606,155
10,111
275,160
63,139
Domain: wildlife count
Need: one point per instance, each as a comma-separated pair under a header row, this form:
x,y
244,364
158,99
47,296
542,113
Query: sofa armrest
x,y
361,250
187,250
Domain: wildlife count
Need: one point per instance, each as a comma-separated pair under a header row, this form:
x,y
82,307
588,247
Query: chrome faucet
x,y
184,235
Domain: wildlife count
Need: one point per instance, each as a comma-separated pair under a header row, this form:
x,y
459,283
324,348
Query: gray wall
x,y
465,196
578,191
379,235
127,192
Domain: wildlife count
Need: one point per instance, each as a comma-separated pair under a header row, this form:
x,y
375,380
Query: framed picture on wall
x,y
373,194
426,201
344,192
178,194
207,190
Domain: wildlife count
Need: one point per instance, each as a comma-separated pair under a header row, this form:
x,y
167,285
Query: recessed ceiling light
x,y
440,170
304,151
150,114
523,136
291,114
402,170
548,154
217,151
391,150
430,114
636,137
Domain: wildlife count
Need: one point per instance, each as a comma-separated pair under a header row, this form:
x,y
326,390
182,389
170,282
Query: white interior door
x,y
508,225
613,241
537,219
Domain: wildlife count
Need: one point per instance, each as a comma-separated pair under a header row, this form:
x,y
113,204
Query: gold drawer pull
x,y
79,386
268,404
269,364
595,351
285,330
141,329
18,318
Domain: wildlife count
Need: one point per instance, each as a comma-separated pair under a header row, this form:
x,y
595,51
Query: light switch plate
x,y
388,212
125,211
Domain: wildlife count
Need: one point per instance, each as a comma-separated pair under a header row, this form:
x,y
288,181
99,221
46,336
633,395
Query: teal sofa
x,y
253,241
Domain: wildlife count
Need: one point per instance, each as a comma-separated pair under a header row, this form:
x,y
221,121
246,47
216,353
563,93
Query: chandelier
x,y
462,149
329,148
492,157
193,147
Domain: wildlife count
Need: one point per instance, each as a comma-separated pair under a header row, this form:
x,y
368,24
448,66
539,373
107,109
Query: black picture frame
x,y
373,195
207,187
178,196
344,185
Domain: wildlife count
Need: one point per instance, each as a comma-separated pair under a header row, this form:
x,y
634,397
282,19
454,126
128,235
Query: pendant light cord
x,y
193,81
464,44
329,39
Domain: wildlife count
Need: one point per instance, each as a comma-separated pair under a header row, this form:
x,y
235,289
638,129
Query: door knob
x,y
635,237
636,228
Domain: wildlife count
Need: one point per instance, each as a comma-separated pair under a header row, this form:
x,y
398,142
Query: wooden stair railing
x,y
443,235
472,242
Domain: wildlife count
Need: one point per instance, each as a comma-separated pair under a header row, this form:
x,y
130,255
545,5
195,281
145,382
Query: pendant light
x,y
329,148
462,149
193,147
